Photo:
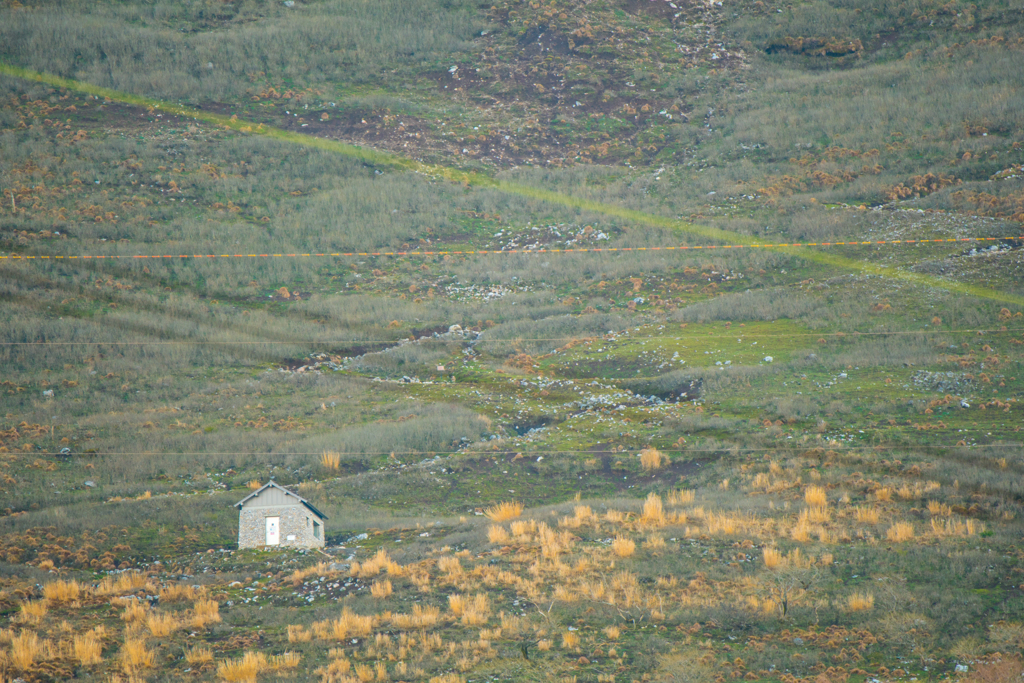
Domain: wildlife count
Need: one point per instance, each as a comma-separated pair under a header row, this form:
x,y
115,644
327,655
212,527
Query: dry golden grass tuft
x,y
32,612
348,625
204,613
498,535
254,484
62,591
681,497
860,602
623,547
124,583
868,515
381,589
331,460
956,527
199,655
653,513
570,640
504,511
88,648
448,678
244,669
26,649
652,459
816,496
523,528
135,656
655,542
179,592
297,633
900,532
884,494
135,611
773,559
612,632
162,625
422,617
290,660
939,509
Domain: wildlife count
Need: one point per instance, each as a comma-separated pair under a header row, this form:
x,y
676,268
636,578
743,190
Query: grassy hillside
x,y
615,464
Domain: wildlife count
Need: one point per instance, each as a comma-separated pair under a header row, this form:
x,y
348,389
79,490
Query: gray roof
x,y
272,484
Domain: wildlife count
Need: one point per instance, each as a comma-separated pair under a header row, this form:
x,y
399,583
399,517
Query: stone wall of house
x,y
296,527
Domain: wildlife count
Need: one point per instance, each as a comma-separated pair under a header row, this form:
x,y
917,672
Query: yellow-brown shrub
x,y
623,547
504,511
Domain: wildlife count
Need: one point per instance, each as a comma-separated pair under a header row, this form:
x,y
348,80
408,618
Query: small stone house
x,y
274,516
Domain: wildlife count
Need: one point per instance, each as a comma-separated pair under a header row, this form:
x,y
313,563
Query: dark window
x,y
316,530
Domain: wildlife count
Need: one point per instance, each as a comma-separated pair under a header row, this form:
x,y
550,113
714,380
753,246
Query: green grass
x,y
176,382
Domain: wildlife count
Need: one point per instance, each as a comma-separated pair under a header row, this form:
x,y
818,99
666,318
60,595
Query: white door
x,y
273,530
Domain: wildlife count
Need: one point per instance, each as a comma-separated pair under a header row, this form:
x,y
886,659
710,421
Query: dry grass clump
x,y
300,575
612,632
135,656
135,611
681,497
62,591
88,649
199,655
32,612
124,583
773,559
348,625
253,484
623,547
162,625
471,612
422,617
721,523
581,514
498,535
297,633
653,513
26,649
939,509
655,542
652,459
244,669
884,494
570,640
956,527
204,613
900,532
380,562
289,660
179,592
523,528
381,589
816,496
450,566
331,460
504,511
868,515
860,602
450,678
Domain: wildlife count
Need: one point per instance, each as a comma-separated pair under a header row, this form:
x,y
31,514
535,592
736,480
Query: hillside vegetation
x,y
607,449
